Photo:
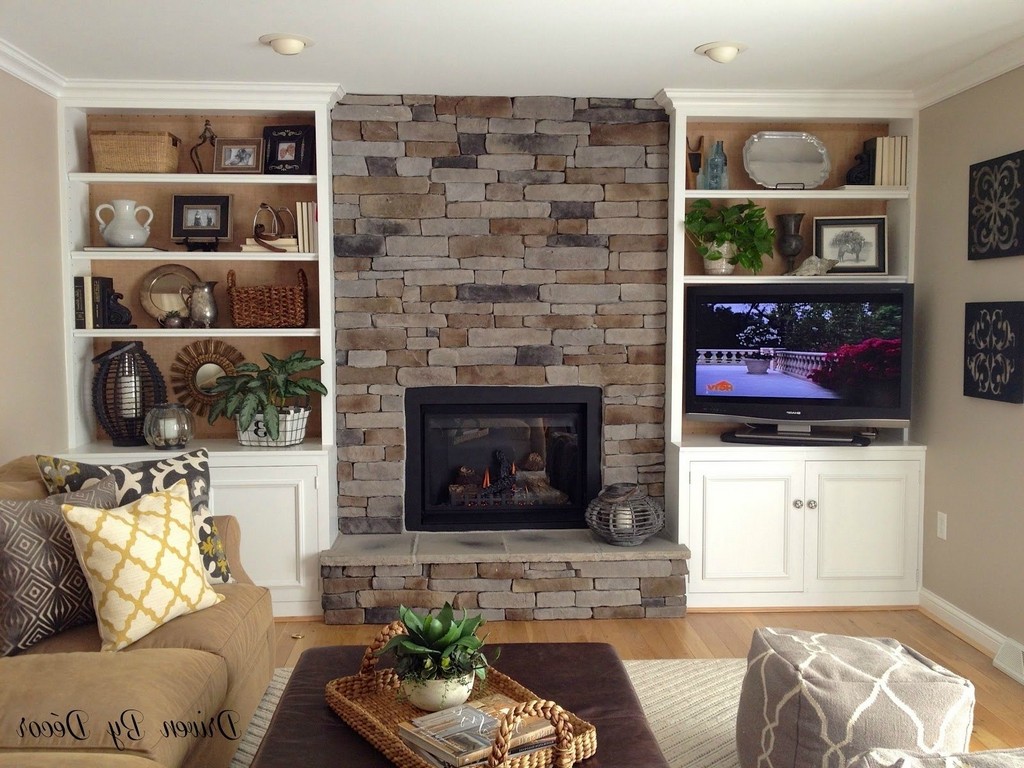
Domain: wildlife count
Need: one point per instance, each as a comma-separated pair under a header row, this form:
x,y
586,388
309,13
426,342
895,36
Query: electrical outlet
x,y
940,529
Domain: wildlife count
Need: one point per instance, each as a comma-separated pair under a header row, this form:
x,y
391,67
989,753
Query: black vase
x,y
791,242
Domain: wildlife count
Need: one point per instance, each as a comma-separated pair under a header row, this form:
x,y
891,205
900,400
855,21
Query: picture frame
x,y
994,350
856,243
290,149
201,218
238,155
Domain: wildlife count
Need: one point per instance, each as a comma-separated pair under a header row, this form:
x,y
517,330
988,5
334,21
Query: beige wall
x,y
975,470
32,407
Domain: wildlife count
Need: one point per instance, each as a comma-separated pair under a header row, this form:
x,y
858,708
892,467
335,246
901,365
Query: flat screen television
x,y
789,359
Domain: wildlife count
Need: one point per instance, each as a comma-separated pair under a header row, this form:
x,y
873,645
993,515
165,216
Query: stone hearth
x,y
512,575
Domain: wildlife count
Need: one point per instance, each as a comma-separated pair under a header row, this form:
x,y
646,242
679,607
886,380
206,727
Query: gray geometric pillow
x,y
894,758
138,478
42,589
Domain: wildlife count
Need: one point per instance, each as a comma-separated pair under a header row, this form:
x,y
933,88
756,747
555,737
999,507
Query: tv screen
x,y
794,354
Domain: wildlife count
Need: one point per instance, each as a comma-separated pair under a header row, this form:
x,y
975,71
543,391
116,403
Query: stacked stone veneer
x,y
487,241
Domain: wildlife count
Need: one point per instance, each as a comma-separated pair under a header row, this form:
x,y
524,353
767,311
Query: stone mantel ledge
x,y
486,547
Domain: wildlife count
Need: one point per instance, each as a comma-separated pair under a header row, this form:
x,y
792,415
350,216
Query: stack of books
x,y
888,159
463,736
92,301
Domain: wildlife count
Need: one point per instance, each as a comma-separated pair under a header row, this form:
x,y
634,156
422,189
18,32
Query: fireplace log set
x,y
529,486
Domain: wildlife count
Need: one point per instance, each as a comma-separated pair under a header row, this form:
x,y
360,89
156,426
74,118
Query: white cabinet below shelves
x,y
282,515
802,527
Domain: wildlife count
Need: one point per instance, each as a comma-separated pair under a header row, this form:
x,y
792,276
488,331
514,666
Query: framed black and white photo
x,y
201,218
289,149
995,208
238,156
994,350
855,243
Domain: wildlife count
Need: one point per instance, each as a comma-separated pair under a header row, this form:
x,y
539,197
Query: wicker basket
x,y
134,152
369,703
268,306
622,514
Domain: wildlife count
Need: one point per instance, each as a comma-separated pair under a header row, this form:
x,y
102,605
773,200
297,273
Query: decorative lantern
x,y
169,426
622,514
126,385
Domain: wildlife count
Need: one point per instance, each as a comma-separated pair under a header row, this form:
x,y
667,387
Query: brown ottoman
x,y
811,700
587,678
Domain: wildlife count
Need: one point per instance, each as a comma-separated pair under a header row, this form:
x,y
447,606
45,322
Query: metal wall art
x,y
196,369
995,209
993,344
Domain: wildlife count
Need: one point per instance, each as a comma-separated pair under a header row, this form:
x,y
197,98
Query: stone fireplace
x,y
501,458
496,242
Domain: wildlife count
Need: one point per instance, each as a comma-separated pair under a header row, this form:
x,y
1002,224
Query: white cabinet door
x,y
862,525
277,509
746,526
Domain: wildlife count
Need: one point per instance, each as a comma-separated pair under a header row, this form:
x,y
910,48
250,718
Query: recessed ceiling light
x,y
722,51
286,45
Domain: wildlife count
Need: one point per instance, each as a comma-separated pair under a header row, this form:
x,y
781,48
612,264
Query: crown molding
x,y
174,94
22,66
992,65
784,104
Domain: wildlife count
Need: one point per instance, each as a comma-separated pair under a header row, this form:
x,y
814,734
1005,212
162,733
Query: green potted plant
x,y
438,657
729,235
757,362
258,399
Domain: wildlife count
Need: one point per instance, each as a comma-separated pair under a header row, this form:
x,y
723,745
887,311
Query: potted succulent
x,y
730,235
257,398
438,657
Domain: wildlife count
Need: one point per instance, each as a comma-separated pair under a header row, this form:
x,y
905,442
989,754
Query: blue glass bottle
x,y
717,165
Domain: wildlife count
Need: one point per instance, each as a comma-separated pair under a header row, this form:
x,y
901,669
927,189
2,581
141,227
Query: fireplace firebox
x,y
501,458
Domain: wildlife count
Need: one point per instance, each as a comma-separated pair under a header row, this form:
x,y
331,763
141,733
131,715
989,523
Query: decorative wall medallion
x,y
993,343
995,216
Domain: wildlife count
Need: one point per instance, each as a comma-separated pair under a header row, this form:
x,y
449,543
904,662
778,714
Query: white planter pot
x,y
721,266
292,429
433,695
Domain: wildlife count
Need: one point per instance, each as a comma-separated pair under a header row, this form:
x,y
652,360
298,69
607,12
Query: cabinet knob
x,y
812,504
797,503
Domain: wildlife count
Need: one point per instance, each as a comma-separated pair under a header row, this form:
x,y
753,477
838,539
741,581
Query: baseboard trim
x,y
962,624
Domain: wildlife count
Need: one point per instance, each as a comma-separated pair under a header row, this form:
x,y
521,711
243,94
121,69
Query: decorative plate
x,y
786,160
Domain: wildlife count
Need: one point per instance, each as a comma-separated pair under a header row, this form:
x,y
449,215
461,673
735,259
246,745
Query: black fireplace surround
x,y
501,458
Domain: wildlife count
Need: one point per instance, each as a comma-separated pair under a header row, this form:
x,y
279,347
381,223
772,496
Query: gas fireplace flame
x,y
487,479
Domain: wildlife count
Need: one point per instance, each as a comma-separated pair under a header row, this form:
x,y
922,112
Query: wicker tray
x,y
134,152
268,306
369,702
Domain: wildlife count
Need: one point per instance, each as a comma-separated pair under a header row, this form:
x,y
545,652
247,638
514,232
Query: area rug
x,y
690,705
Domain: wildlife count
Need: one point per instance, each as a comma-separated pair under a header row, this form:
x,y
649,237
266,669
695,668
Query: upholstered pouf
x,y
812,700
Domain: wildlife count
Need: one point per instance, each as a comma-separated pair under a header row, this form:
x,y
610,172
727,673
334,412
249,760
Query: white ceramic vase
x,y
124,229
433,695
720,266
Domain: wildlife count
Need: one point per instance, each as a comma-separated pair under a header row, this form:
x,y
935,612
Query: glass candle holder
x,y
169,426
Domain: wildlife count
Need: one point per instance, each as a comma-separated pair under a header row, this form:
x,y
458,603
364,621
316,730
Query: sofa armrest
x,y
230,533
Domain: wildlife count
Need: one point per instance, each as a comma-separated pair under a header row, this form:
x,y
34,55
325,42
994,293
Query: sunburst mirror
x,y
197,367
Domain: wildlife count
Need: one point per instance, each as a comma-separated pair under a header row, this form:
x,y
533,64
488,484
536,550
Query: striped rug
x,y
690,705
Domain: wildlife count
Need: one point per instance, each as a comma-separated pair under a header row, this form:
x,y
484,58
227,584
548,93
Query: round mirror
x,y
161,290
197,367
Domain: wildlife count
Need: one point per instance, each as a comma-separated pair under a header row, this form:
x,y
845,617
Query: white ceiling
x,y
518,47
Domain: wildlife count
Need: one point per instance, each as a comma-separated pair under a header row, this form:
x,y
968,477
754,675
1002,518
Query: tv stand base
x,y
773,436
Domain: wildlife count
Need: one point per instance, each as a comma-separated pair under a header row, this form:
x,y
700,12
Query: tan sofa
x,y
181,696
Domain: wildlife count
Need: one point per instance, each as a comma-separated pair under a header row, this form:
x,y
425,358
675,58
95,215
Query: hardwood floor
x,y
998,717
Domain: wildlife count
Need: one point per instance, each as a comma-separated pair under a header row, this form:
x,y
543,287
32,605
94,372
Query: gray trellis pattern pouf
x,y
813,700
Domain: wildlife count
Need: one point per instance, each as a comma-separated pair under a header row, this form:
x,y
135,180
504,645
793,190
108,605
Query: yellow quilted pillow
x,y
142,563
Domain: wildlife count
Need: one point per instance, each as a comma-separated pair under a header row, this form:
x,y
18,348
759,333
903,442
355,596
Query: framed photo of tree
x,y
855,243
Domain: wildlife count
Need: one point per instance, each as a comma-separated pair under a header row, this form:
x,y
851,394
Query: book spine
x,y
311,212
300,226
102,290
80,305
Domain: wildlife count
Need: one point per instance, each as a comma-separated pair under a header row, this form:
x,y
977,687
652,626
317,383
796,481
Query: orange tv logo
x,y
720,386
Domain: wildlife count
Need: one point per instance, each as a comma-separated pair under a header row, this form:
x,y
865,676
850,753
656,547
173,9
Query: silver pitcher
x,y
202,308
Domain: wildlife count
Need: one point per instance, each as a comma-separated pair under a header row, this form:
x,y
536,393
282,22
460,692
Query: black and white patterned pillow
x,y
136,479
42,588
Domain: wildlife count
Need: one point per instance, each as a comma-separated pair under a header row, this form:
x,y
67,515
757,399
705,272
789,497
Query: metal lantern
x,y
127,384
622,514
169,426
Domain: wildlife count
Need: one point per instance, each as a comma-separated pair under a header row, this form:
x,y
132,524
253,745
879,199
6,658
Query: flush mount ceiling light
x,y
722,51
286,45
